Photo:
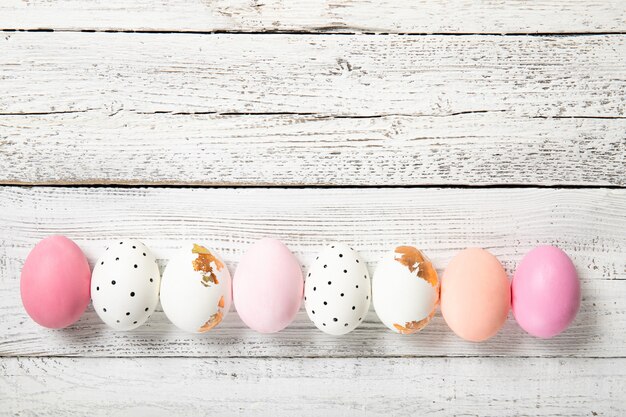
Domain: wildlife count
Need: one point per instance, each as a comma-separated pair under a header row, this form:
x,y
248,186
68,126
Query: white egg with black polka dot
x,y
337,290
125,284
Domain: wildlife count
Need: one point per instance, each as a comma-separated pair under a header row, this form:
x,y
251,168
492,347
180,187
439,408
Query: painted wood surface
x,y
308,387
575,76
588,224
301,93
125,147
323,16
455,110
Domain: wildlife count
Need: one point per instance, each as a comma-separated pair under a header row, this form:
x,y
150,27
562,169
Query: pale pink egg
x,y
268,286
475,295
546,292
55,282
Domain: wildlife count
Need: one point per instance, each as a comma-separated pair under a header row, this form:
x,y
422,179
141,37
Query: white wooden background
x,y
445,124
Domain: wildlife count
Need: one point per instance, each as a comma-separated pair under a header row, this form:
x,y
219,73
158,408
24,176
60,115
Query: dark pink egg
x,y
55,282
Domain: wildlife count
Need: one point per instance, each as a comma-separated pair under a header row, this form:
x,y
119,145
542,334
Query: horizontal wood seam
x,y
322,31
315,115
311,357
129,184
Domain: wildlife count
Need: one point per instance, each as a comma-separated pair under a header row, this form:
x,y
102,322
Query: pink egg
x,y
267,286
55,282
546,292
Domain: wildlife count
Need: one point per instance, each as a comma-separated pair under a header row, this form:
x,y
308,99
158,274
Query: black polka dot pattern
x,y
336,296
123,284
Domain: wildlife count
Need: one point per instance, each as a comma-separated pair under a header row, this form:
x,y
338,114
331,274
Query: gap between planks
x,y
322,31
175,184
318,16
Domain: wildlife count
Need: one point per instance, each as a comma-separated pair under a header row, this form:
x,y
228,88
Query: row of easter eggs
x,y
196,290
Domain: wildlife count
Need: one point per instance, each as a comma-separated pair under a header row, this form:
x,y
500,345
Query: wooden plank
x,y
588,224
579,76
473,149
597,332
330,387
419,16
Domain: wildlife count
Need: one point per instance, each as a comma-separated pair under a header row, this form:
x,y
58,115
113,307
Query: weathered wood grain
x,y
588,224
473,149
597,332
330,387
303,109
418,16
580,76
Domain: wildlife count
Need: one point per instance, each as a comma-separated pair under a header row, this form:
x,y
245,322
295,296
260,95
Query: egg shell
x,y
125,284
545,292
337,290
267,286
195,289
475,295
405,290
54,283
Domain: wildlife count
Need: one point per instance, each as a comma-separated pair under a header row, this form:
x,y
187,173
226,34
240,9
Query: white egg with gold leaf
x,y
196,289
405,290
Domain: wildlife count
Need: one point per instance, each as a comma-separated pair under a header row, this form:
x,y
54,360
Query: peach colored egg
x,y
268,286
475,295
55,282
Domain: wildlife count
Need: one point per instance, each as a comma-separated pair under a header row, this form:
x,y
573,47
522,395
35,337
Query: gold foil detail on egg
x,y
212,322
414,260
203,263
215,319
414,326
